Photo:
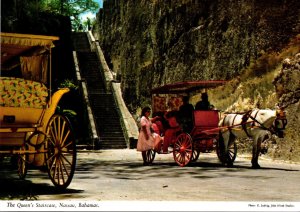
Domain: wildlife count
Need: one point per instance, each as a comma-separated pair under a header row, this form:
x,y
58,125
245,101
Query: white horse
x,y
256,124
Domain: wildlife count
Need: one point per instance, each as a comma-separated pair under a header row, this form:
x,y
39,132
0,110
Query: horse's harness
x,y
274,129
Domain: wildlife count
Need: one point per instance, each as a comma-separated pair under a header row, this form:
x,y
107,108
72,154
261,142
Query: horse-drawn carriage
x,y
30,128
204,136
209,131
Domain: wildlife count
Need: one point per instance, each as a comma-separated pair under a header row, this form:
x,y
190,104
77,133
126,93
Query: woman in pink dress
x,y
147,139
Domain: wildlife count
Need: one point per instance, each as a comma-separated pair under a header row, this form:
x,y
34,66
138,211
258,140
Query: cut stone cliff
x,y
153,42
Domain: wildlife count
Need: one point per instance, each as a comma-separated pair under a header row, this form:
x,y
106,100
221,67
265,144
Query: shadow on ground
x,y
95,168
26,190
13,188
133,170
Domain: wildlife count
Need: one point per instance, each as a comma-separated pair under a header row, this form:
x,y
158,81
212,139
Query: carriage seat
x,y
22,103
18,92
206,122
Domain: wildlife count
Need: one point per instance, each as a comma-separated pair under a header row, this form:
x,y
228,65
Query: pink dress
x,y
144,144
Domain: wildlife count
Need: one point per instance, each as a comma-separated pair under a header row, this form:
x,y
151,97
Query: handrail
x,y
108,74
132,131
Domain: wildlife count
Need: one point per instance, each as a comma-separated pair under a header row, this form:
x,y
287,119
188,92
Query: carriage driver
x,y
204,104
186,114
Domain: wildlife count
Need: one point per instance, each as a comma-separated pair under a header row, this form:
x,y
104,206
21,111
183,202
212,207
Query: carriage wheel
x,y
220,149
232,150
196,153
229,157
150,155
183,149
61,151
22,163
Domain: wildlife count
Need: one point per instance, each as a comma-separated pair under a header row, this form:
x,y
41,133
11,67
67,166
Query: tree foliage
x,y
70,7
18,9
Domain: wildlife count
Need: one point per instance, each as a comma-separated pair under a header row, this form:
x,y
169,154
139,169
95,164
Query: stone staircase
x,y
102,102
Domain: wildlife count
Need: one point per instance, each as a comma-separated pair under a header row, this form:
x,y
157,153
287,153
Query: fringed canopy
x,y
27,39
14,45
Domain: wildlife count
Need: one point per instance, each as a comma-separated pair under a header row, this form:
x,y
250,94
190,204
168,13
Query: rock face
x,y
287,85
287,82
153,42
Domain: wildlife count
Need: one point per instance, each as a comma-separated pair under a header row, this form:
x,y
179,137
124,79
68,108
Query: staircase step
x,y
102,104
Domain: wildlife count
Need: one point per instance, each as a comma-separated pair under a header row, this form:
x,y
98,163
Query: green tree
x,y
72,8
20,9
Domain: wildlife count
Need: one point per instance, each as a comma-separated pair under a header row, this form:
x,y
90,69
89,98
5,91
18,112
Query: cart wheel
x,y
220,149
196,153
61,151
183,149
22,163
150,155
229,157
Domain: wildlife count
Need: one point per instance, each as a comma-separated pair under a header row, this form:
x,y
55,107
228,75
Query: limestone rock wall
x,y
154,42
287,84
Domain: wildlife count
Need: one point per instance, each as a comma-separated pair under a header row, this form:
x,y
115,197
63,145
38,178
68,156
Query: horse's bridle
x,y
280,118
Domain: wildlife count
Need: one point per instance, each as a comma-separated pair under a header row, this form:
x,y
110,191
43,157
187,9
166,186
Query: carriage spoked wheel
x,y
22,162
229,156
232,151
61,151
23,158
149,157
183,149
196,152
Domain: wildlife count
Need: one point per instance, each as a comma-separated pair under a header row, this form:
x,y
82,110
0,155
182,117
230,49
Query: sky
x,y
90,14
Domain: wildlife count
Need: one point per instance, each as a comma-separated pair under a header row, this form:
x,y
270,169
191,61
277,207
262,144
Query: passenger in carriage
x,y
147,138
157,124
171,132
186,115
204,104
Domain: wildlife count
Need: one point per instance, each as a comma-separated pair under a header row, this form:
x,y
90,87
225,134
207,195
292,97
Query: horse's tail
x,y
231,137
221,148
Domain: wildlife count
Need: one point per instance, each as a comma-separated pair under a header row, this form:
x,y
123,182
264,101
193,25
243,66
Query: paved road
x,y
119,175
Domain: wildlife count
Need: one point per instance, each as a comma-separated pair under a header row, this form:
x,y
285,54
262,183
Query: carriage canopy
x,y
169,96
30,52
187,86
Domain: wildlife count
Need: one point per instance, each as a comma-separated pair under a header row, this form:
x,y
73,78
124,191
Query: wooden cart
x,y
30,128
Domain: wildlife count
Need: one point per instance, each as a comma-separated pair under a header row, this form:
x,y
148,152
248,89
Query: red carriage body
x,y
204,136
